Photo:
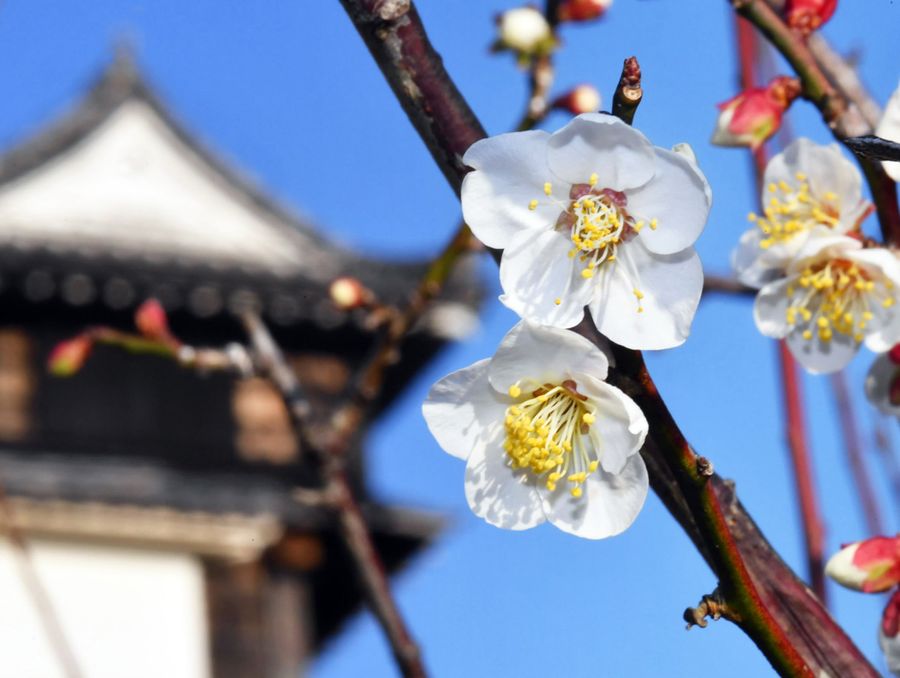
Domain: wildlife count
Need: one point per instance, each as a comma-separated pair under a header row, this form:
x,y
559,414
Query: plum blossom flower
x,y
755,114
592,215
808,190
883,382
889,128
544,437
835,296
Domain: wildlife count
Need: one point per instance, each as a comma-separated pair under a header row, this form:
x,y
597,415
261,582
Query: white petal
x,y
610,503
503,497
770,308
891,648
544,355
889,128
822,357
755,266
535,271
601,144
822,243
878,384
462,407
678,196
671,285
620,427
510,172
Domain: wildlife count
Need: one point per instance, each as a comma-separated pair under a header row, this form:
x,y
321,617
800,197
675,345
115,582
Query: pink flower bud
x,y
806,16
871,566
581,99
348,293
151,321
755,114
582,10
69,356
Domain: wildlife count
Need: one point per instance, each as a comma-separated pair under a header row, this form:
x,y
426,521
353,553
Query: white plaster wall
x,y
126,612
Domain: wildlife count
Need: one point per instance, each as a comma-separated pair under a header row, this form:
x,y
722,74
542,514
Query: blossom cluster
x,y
593,218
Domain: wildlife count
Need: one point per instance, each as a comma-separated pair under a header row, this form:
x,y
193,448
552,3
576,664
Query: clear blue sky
x,y
286,91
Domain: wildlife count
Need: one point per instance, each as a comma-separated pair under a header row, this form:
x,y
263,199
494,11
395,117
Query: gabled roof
x,y
117,191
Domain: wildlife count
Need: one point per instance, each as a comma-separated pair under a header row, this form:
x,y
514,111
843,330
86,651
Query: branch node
x,y
711,606
391,10
705,467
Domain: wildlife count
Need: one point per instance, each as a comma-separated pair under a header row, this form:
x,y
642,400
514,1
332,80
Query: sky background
x,y
286,91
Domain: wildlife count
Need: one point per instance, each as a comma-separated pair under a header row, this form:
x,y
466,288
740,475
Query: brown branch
x,y
354,531
40,598
795,428
846,79
831,104
854,449
792,629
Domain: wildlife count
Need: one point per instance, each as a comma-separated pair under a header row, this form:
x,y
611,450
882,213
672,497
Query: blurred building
x,y
158,503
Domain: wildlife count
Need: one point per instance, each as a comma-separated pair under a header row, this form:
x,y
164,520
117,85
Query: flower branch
x,y
788,624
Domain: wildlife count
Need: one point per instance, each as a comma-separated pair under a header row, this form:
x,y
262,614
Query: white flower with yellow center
x,y
592,215
835,295
544,437
808,190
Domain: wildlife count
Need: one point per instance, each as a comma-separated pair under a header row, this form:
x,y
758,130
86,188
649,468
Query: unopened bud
x,y
580,99
806,16
348,293
69,356
754,115
871,566
525,31
582,10
151,321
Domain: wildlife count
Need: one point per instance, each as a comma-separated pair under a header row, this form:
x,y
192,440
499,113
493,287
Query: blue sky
x,y
287,92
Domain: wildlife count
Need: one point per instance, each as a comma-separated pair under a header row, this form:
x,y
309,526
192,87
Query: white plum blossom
x,y
808,190
835,295
889,128
544,437
883,382
592,215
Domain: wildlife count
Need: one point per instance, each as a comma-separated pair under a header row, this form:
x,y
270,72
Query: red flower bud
x,y
754,115
152,322
580,99
806,16
582,10
894,354
871,566
69,356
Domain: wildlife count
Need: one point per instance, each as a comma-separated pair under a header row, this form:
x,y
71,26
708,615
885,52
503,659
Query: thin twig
x,y
713,284
788,624
794,420
354,531
854,449
40,598
846,78
831,104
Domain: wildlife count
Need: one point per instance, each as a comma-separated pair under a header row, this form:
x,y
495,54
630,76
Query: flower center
x,y
792,210
836,296
598,223
546,431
